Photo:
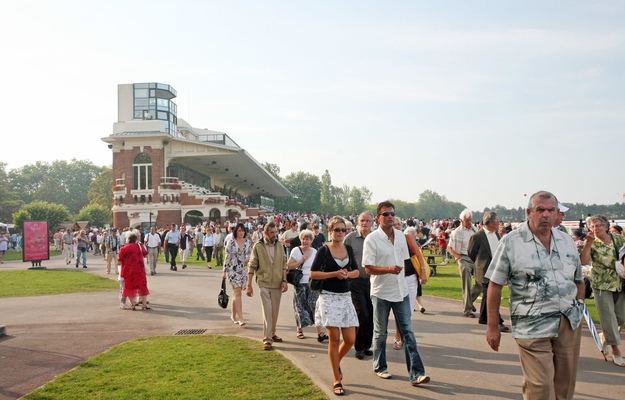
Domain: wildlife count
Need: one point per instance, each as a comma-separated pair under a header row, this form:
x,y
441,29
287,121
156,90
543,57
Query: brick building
x,y
166,171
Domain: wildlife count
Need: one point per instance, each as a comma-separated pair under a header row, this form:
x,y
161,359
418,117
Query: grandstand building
x,y
166,171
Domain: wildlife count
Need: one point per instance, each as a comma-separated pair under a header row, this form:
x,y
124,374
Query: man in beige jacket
x,y
268,262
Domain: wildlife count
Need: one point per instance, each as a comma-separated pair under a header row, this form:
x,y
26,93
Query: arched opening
x,y
215,215
233,214
193,217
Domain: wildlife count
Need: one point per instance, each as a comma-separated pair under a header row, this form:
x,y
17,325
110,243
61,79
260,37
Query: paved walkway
x,y
49,335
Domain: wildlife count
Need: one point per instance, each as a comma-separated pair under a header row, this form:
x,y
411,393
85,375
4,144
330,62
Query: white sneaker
x,y
384,374
419,380
124,306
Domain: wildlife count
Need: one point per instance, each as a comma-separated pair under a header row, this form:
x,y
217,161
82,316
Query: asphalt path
x,y
49,335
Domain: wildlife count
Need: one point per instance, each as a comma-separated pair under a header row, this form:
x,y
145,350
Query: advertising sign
x,y
36,245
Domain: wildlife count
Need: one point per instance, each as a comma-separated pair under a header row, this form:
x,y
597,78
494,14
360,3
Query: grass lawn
x,y
447,283
48,281
183,367
11,255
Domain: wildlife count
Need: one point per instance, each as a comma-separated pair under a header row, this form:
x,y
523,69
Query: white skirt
x,y
335,309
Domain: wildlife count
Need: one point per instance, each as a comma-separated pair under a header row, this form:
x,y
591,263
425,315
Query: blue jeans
x,y
166,252
83,253
401,310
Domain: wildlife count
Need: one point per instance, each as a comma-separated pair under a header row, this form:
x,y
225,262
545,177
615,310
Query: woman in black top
x,y
335,310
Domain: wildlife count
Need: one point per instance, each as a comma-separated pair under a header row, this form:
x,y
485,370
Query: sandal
x,y
321,337
145,308
618,360
338,389
300,335
397,344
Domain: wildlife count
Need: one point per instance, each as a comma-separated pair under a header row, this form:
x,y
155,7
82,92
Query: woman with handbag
x,y
238,252
304,301
606,283
334,264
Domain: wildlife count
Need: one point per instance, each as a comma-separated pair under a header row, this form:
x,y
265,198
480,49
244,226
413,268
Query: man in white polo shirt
x,y
153,241
384,252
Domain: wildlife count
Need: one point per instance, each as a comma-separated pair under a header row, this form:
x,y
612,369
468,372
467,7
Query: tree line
x,y
58,191
81,191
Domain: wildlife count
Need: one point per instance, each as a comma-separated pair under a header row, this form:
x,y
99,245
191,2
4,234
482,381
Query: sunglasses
x,y
337,230
386,214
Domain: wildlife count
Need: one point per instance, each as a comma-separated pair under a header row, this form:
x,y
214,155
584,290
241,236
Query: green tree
x,y
76,176
404,209
307,190
326,188
26,180
273,169
101,189
10,202
51,191
96,214
37,182
341,198
41,211
358,200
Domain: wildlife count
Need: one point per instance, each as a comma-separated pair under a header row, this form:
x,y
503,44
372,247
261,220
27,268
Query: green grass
x,y
11,255
447,283
47,281
185,367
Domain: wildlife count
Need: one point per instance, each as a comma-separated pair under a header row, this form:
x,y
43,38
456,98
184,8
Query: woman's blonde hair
x,y
335,220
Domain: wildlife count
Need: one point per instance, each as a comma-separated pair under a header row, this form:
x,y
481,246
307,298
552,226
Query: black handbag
x,y
316,285
293,276
223,297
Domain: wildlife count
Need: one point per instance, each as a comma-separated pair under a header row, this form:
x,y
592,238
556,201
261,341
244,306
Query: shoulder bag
x,y
316,285
222,298
293,276
618,265
416,264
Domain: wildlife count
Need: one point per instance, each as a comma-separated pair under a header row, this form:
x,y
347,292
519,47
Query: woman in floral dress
x,y
238,254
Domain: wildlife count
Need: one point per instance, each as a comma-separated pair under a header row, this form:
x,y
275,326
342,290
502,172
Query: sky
x,y
483,102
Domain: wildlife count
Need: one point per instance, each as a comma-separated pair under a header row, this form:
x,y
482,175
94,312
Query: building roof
x,y
211,153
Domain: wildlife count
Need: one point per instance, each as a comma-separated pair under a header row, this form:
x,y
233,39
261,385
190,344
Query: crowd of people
x,y
372,263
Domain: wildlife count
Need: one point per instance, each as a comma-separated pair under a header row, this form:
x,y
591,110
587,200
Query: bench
x,y
431,260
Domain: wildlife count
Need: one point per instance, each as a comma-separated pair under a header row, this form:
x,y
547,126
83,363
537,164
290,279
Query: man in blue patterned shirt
x,y
542,268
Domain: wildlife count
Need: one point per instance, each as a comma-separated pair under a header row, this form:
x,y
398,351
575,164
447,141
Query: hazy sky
x,y
480,101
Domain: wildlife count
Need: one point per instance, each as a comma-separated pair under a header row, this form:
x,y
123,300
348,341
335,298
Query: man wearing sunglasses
x,y
385,250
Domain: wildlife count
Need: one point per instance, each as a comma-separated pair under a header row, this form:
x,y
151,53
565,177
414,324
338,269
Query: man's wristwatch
x,y
580,301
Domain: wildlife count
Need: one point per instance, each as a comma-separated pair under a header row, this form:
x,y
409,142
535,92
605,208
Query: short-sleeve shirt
x,y
379,251
459,239
603,275
296,254
67,238
4,243
172,237
542,284
289,235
